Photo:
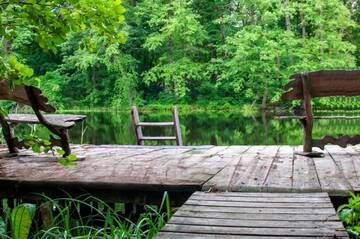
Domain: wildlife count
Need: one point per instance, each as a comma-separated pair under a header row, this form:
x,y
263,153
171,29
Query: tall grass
x,y
86,217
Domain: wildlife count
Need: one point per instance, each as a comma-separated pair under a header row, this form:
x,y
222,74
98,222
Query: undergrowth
x,y
83,217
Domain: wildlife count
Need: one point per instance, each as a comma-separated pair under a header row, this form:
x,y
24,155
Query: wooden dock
x,y
256,175
255,216
184,170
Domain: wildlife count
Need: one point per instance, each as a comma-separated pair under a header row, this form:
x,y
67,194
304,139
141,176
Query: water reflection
x,y
202,128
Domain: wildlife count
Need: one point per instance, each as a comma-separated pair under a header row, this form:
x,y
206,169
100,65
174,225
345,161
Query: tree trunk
x,y
265,95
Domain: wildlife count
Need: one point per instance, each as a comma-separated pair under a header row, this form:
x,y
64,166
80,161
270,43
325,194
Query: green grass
x,y
81,218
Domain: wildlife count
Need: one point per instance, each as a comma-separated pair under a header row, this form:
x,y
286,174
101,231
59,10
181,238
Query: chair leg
x,y
65,142
307,127
9,138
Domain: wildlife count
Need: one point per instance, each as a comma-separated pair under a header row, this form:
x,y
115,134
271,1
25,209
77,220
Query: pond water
x,y
202,128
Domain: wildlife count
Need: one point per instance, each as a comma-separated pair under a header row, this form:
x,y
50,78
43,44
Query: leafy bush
x,y
350,215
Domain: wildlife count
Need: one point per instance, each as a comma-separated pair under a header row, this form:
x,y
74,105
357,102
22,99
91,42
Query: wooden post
x,y
177,127
7,132
137,127
308,122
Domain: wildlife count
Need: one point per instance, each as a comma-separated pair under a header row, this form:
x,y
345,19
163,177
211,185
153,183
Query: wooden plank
x,y
19,94
301,211
305,177
161,138
280,177
156,124
325,83
254,223
253,168
120,168
331,178
173,235
202,214
258,216
262,197
257,231
265,199
348,163
264,194
231,203
221,181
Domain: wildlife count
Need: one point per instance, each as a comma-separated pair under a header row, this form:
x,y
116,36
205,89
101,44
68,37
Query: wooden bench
x,y
32,96
305,87
140,138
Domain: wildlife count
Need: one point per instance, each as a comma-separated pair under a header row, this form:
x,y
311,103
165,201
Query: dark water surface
x,y
202,128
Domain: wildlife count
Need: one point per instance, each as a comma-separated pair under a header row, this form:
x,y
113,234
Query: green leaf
x,y
72,157
21,220
36,148
3,228
60,151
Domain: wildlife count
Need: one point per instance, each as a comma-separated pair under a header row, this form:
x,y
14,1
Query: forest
x,y
196,52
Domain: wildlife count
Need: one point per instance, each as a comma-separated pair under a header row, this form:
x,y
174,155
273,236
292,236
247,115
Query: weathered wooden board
x,y
172,235
280,176
222,215
332,179
207,168
66,120
325,83
118,168
305,176
348,162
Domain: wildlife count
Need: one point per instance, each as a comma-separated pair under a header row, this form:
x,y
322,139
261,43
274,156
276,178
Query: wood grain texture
x,y
173,235
58,120
187,169
19,95
325,83
202,215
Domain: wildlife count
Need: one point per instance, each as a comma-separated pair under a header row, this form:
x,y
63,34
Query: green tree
x,y
49,22
175,42
277,38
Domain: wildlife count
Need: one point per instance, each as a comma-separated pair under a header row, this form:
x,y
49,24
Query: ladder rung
x,y
155,124
158,138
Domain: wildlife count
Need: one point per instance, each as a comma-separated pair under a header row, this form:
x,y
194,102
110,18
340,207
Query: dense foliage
x,y
183,51
350,215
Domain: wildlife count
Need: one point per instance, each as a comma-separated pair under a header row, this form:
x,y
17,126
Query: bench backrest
x,y
323,83
21,94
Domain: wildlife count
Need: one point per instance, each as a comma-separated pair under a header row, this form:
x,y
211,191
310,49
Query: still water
x,y
202,128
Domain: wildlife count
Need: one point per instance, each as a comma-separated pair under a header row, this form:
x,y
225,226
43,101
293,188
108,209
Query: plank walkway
x,y
255,216
112,169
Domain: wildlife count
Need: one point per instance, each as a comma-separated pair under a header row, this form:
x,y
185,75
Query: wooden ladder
x,y
140,138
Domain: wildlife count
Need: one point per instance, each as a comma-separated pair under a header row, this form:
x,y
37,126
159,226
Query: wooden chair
x,y
140,138
32,96
305,87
